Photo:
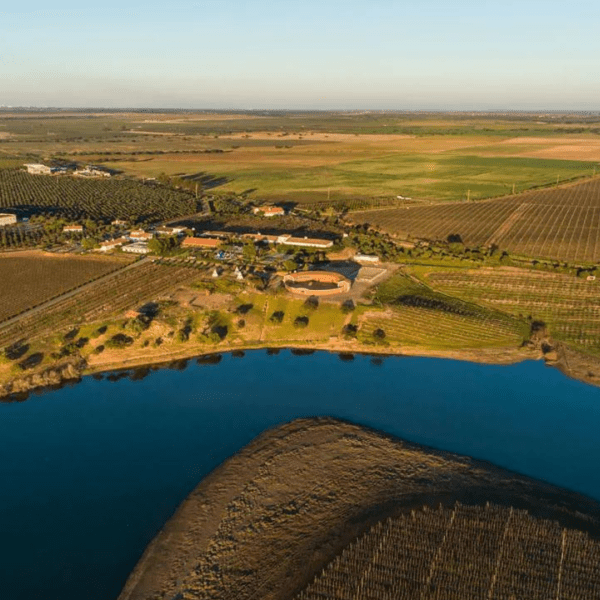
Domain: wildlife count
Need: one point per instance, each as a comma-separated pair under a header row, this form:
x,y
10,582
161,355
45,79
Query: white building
x,y
140,235
73,229
366,258
38,169
289,240
112,244
269,211
137,248
90,171
7,219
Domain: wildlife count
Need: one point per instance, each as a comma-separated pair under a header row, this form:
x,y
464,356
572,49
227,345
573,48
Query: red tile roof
x,y
200,242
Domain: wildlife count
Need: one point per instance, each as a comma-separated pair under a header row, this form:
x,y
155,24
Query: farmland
x,y
561,223
465,552
100,199
308,157
414,314
34,277
569,306
102,300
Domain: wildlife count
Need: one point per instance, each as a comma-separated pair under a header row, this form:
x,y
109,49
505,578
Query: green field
x,y
309,157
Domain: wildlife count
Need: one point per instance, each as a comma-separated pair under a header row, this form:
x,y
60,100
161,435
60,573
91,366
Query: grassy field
x,y
561,223
30,278
302,171
309,157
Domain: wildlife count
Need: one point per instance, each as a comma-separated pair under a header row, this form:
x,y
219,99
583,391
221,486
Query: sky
x,y
310,54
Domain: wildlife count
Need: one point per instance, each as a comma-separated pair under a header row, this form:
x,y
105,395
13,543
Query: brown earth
x,y
273,515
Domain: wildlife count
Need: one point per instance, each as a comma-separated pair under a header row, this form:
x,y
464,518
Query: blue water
x,y
89,473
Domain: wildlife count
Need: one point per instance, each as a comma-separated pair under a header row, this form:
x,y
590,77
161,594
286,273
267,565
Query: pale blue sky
x,y
381,54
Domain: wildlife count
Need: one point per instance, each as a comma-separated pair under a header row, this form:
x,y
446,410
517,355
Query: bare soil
x,y
273,515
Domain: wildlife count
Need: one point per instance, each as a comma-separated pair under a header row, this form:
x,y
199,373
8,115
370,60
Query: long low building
x,y
289,240
112,244
200,242
38,169
7,219
137,248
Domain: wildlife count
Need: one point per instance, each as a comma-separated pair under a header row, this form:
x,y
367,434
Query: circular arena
x,y
316,283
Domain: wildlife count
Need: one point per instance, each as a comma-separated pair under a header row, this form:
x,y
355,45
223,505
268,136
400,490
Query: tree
x,y
249,251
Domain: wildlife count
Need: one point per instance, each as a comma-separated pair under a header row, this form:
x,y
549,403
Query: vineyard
x,y
437,329
103,299
570,306
416,314
33,278
465,553
98,199
562,223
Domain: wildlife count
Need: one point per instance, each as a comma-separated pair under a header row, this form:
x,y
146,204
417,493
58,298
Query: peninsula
x,y
320,508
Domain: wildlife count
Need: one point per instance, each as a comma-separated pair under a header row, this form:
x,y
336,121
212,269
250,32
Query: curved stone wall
x,y
316,283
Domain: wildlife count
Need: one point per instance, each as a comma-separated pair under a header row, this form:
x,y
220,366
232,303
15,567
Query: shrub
x,y
244,309
119,341
16,351
100,331
301,322
379,334
33,360
277,316
349,331
347,306
312,303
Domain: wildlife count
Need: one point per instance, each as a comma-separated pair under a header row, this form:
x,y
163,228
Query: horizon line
x,y
301,110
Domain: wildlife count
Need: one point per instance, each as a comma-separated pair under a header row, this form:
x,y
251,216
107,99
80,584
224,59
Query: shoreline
x,y
70,372
571,363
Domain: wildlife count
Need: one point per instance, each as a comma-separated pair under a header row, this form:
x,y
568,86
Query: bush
x,y
347,306
349,331
99,349
182,335
16,351
301,322
33,360
312,303
244,309
100,331
119,341
139,324
277,316
379,334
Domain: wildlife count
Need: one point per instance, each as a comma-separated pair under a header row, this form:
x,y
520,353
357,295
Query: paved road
x,y
57,299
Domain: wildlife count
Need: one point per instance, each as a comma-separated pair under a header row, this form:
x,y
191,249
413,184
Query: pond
x,y
89,473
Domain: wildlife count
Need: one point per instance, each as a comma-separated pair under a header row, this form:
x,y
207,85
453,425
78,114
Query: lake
x,y
89,473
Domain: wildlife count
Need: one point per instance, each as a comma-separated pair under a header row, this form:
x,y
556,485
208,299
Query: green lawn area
x,y
448,176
